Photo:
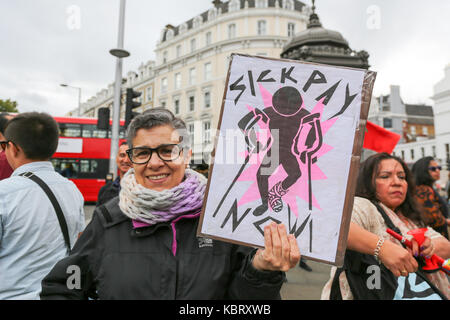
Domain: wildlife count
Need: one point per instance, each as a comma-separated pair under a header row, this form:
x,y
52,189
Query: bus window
x,y
122,133
66,167
82,168
91,131
69,130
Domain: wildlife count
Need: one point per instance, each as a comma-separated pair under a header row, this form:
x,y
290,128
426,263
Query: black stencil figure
x,y
288,118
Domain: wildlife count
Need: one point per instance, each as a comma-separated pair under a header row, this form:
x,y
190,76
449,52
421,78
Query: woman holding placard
x,y
143,244
376,265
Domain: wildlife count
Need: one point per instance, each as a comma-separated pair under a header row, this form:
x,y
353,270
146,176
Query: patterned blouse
x,y
366,215
431,209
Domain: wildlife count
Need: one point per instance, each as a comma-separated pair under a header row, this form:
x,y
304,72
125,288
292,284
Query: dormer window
x,y
169,34
234,5
212,13
261,4
183,28
197,21
288,4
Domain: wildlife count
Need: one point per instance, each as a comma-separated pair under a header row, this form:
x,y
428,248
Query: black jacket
x,y
118,262
108,191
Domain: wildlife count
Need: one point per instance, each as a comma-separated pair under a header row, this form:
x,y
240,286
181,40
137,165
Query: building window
x,y
288,4
207,99
422,150
433,151
387,123
150,93
212,14
261,4
447,151
291,29
176,106
412,154
191,130
163,85
234,5
177,81
193,45
403,154
192,76
165,57
231,31
197,22
207,71
425,130
163,104
207,131
261,27
412,130
208,38
178,50
191,103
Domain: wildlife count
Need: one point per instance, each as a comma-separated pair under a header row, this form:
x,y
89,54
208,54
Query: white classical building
x,y
439,147
441,97
192,58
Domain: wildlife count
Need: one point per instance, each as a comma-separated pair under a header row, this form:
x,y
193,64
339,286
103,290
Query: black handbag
x,y
55,203
360,270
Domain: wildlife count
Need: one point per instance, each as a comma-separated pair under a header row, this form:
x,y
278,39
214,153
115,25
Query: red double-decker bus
x,y
83,153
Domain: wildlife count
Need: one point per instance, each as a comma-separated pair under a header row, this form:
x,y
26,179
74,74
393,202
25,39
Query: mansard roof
x,y
224,8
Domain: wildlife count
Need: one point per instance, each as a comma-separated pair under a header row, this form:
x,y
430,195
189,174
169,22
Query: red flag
x,y
379,139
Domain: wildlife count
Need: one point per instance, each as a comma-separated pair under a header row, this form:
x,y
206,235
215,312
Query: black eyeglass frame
x,y
434,168
5,144
129,152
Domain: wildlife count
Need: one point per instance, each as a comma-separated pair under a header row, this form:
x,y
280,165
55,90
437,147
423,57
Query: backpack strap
x,y
56,206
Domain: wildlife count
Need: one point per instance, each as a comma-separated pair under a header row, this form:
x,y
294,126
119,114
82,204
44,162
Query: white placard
x,y
283,153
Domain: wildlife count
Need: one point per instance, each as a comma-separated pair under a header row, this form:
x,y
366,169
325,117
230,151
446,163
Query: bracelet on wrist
x,y
377,249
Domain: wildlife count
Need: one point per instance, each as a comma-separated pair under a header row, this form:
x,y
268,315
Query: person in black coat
x,y
143,244
111,189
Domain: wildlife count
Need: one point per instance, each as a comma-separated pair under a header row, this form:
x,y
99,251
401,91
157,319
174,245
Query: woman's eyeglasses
x,y
166,152
4,144
435,168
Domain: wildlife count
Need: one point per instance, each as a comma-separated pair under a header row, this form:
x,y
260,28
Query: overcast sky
x,y
43,44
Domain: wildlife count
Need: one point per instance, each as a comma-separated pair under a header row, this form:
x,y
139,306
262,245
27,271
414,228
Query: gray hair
x,y
158,117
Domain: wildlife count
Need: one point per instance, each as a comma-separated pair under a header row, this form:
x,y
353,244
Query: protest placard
x,y
287,150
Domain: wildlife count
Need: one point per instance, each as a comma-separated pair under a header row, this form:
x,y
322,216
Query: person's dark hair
x,y
123,143
3,121
366,188
157,117
35,133
420,172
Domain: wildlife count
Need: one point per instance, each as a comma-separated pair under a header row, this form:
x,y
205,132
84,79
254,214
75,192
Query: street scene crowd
x,y
141,242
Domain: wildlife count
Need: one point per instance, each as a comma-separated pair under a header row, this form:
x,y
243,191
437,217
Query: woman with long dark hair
x,y
385,195
434,209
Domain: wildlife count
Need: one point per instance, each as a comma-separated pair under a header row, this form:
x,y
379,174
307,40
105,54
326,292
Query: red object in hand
x,y
434,263
431,264
379,139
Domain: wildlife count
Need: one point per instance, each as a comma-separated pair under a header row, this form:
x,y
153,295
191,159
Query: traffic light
x,y
130,105
103,118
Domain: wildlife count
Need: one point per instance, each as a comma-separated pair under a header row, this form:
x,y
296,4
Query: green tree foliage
x,y
8,106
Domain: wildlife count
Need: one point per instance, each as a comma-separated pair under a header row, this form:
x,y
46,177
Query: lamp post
x,y
119,53
79,95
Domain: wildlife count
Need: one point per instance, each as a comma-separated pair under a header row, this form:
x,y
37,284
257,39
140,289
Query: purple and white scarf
x,y
151,207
